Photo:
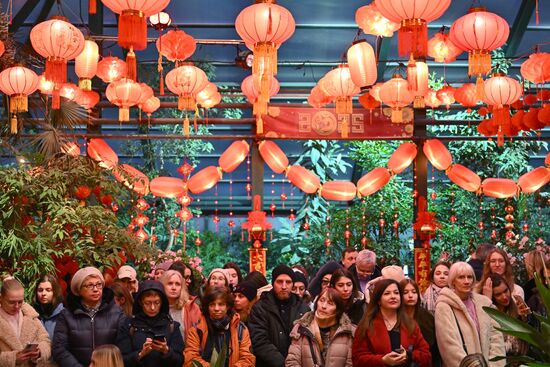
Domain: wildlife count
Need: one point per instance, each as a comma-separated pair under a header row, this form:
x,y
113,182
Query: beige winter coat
x,y
32,331
489,342
339,348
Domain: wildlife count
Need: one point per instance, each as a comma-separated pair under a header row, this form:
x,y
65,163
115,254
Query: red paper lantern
x,y
204,179
318,98
499,188
167,187
531,119
209,102
414,17
338,190
446,95
534,180
88,99
146,93
207,92
544,116
368,101
396,94
339,85
150,105
123,93
375,91
536,68
70,91
110,69
417,77
466,95
233,156
373,181
85,65
176,45
464,177
186,81
44,85
431,100
58,41
251,91
362,64
273,156
438,154
132,178
101,152
402,157
18,82
442,49
479,32
303,179
371,21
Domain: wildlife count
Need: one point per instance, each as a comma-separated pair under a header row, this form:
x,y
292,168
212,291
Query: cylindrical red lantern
x,y
303,179
101,152
338,190
110,69
464,177
362,64
499,188
132,178
417,77
442,49
85,65
273,156
204,179
371,21
534,180
167,187
123,93
414,17
18,82
396,94
373,181
438,154
233,156
402,157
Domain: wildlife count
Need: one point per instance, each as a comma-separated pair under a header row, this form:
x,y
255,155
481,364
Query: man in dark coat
x,y
272,317
90,319
151,338
365,269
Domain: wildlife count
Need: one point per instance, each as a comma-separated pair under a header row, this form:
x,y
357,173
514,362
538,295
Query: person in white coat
x,y
462,326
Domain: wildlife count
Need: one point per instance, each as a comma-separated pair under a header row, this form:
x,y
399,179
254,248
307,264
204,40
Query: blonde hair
x,y
107,355
9,285
457,269
184,295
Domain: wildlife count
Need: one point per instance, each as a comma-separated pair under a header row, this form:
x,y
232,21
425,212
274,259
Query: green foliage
x,y
539,339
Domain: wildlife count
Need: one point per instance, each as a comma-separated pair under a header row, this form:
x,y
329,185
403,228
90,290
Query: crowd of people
x,y
350,313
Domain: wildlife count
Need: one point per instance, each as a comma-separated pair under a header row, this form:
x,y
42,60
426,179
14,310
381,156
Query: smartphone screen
x,y
31,348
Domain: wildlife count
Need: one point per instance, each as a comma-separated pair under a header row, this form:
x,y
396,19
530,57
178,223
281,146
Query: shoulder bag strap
x,y
460,332
313,354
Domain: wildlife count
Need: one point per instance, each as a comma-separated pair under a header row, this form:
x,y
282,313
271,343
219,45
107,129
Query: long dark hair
x,y
367,322
56,288
497,280
234,266
334,296
121,291
341,273
403,284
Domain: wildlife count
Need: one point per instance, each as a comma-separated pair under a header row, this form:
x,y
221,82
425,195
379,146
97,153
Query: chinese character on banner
x,y
422,268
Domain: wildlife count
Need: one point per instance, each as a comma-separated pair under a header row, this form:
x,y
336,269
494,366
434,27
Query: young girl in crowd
x,y
107,355
123,298
48,302
245,298
498,263
386,335
354,301
322,337
438,277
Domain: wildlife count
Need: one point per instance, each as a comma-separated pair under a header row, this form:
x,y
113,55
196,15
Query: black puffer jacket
x,y
270,336
76,334
133,334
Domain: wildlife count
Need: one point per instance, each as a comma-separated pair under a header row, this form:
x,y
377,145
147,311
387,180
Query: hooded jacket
x,y
32,331
338,350
489,342
133,334
49,320
270,336
77,334
239,350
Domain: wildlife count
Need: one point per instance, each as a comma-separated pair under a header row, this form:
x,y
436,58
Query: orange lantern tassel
x,y
131,65
14,123
413,38
92,7
412,75
480,93
186,126
537,12
345,127
259,126
56,100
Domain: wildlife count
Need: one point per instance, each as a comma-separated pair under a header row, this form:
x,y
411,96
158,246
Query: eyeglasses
x,y
92,286
152,303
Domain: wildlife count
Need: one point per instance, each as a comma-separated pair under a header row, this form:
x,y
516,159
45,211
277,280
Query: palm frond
x,y
68,116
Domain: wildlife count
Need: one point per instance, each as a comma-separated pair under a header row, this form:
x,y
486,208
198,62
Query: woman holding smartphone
x,y
386,336
152,338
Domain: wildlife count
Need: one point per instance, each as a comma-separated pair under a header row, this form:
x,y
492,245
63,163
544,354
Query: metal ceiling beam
x,y
523,16
382,48
22,15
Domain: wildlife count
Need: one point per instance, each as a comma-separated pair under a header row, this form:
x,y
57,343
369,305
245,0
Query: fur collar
x,y
344,326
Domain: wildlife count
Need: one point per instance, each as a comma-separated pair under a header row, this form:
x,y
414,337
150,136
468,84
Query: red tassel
x,y
412,76
56,71
92,7
161,87
132,30
537,12
131,65
56,100
413,38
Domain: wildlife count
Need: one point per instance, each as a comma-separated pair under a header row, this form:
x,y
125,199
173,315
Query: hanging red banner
x,y
422,267
313,123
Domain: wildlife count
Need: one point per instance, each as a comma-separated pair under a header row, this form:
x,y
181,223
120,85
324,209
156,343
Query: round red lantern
x,y
375,91
252,92
85,65
18,82
442,49
58,41
431,100
150,105
210,101
110,69
446,95
338,84
204,179
176,45
123,93
438,155
536,68
207,92
303,179
338,190
132,178
318,98
44,85
371,21
464,177
396,94
466,95
402,157
534,180
70,91
88,99
368,101
233,156
186,81
167,187
362,64
414,17
373,181
101,152
146,93
499,188
479,32
273,156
